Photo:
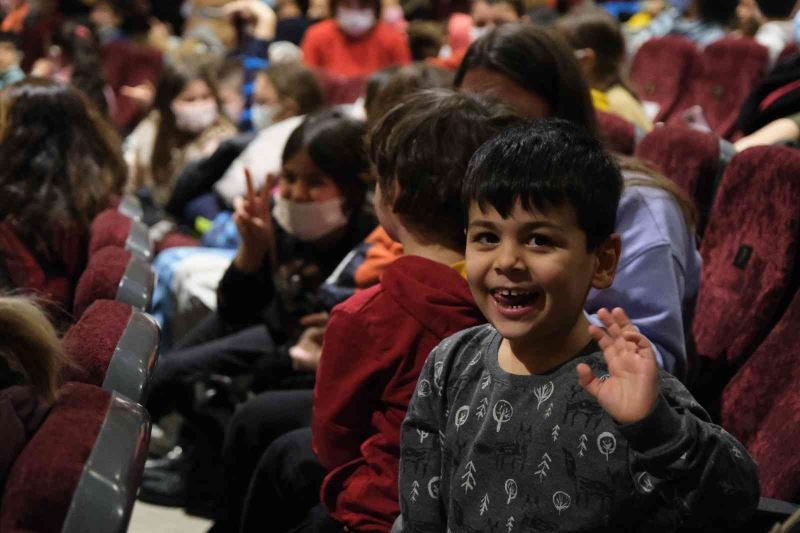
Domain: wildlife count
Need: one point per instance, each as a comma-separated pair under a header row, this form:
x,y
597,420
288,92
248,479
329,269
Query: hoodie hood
x,y
432,292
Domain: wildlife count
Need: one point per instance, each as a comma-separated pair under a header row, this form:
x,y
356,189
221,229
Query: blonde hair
x,y
30,345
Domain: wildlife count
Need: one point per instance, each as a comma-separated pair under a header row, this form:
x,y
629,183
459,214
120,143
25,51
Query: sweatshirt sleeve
x,y
242,296
705,477
344,391
421,438
310,46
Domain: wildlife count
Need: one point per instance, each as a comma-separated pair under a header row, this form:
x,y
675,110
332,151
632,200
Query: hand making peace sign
x,y
253,219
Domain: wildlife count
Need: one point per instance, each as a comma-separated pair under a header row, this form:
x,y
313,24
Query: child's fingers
x,y
602,338
588,380
265,192
611,325
621,319
251,193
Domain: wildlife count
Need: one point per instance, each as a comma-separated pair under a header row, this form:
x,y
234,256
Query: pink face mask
x,y
355,22
194,117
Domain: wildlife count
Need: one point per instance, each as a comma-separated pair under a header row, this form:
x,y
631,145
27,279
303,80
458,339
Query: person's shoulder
x,y
361,302
650,209
463,349
320,29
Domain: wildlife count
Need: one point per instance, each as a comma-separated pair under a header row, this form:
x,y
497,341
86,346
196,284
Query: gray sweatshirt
x,y
483,450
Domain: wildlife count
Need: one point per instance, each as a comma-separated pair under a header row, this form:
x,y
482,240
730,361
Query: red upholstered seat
x,y
101,278
175,240
109,228
761,407
749,253
662,71
91,342
618,134
688,157
731,69
44,477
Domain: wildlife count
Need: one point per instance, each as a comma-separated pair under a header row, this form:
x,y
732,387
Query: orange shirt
x,y
15,19
326,47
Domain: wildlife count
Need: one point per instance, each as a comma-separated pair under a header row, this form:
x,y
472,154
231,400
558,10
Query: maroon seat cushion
x,y
176,240
44,476
662,71
688,157
91,342
101,278
618,134
731,69
749,252
761,407
109,228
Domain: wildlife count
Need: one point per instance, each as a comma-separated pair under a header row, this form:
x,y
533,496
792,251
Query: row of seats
x,y
718,79
82,469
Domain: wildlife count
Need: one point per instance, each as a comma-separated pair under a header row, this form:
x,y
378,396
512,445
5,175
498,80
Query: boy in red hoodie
x,y
377,341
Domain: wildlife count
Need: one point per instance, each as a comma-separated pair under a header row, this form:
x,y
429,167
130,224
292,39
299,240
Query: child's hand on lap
x,y
631,391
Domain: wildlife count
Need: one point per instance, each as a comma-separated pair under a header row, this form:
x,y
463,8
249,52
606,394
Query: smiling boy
x,y
540,421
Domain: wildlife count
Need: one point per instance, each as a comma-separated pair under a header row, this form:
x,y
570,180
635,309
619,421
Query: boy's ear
x,y
607,257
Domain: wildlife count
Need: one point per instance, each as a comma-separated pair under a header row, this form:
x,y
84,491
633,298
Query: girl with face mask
x,y
186,123
294,232
355,42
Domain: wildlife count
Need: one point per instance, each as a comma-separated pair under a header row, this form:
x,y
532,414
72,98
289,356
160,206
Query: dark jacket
x,y
375,346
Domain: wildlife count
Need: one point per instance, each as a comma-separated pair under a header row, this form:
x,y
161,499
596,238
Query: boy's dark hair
x,y
297,82
719,11
518,5
11,38
547,162
404,81
539,61
335,143
420,150
776,9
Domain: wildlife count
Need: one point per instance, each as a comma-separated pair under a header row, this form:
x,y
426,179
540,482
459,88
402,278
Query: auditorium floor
x,y
154,519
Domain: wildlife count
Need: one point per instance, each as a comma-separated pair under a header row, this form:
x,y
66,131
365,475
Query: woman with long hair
x,y
60,165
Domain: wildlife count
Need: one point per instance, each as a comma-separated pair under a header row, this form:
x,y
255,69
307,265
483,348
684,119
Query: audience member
x,y
31,359
9,60
600,49
355,42
777,30
61,166
659,272
542,200
185,124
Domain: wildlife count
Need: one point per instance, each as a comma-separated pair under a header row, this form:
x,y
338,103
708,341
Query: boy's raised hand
x,y
254,221
631,390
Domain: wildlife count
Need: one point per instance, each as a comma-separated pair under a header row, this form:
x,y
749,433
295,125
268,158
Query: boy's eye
x,y
485,238
539,241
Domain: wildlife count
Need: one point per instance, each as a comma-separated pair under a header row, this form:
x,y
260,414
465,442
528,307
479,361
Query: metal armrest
x,y
139,242
106,492
131,207
134,358
137,284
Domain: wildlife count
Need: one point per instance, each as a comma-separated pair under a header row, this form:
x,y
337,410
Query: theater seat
x,y
731,69
112,228
114,274
81,469
749,253
131,207
618,134
662,71
115,347
761,407
692,159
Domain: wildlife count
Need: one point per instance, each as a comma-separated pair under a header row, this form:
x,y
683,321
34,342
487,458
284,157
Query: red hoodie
x,y
375,346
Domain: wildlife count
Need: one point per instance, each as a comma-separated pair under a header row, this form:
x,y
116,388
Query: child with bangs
x,y
539,420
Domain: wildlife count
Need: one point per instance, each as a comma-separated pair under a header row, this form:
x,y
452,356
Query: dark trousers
x,y
212,347
284,490
255,425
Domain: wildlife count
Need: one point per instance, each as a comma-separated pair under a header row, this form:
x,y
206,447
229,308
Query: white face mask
x,y
195,117
355,22
476,32
309,221
262,115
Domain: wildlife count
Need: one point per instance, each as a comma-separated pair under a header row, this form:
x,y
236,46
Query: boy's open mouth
x,y
514,302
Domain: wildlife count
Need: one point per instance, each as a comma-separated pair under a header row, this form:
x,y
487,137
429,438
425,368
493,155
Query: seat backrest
x,y
134,358
101,278
131,207
92,341
106,492
749,253
618,135
662,70
732,67
44,477
137,284
688,157
761,407
113,228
